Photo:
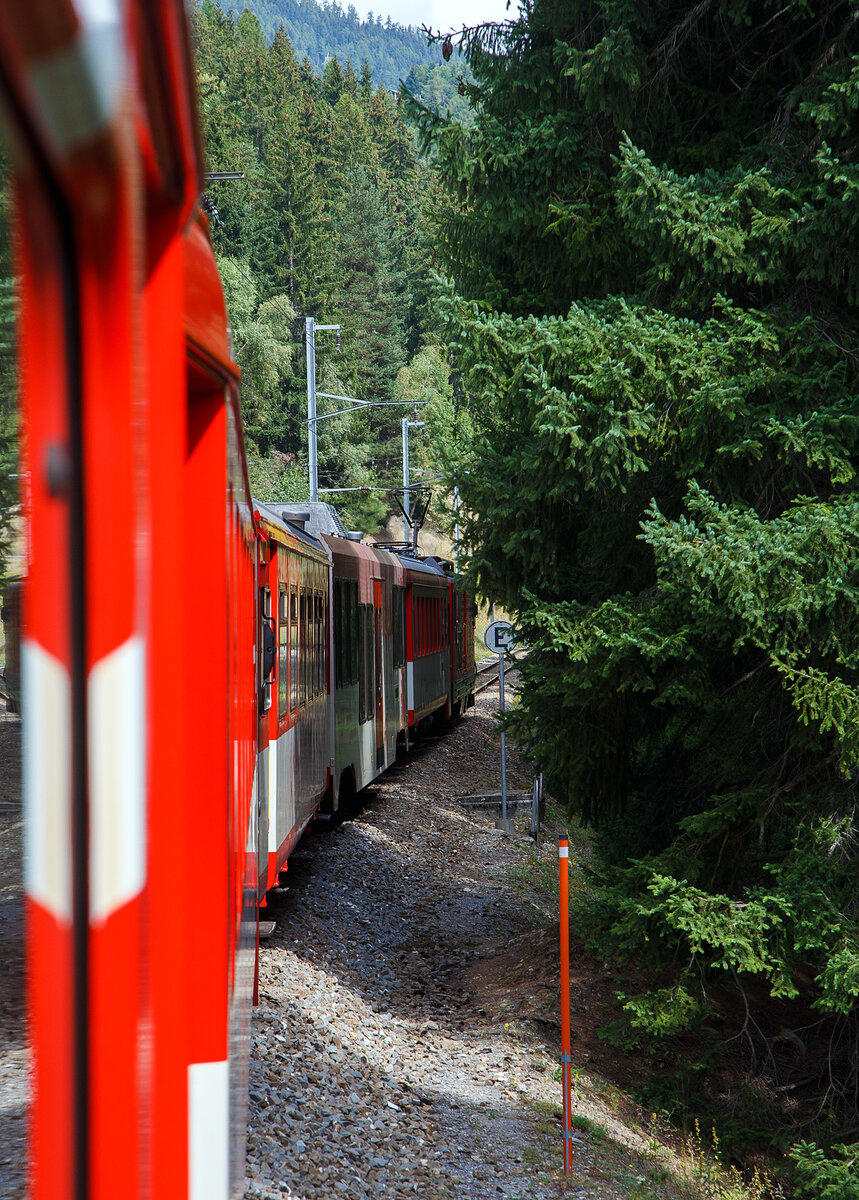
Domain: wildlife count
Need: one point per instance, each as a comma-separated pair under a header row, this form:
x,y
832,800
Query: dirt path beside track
x,y
406,1041
14,1055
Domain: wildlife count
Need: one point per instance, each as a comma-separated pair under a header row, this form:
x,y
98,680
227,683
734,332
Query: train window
x,y
293,648
311,645
303,672
317,642
346,604
326,644
354,631
368,659
338,633
282,652
342,652
362,638
397,622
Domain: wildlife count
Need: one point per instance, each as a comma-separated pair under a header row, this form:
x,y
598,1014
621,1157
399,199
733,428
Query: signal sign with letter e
x,y
499,637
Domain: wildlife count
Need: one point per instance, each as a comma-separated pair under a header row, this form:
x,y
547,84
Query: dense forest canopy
x,y
393,52
650,239
328,222
639,362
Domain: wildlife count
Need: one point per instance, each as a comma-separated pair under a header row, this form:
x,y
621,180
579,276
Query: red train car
x,y
200,674
296,754
368,656
139,613
427,640
463,611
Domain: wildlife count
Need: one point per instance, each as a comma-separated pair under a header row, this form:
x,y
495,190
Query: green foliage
x,y
278,477
653,319
263,348
832,1175
325,223
665,1011
442,88
321,31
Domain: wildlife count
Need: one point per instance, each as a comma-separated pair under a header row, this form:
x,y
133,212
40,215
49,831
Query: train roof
x,y
315,517
277,515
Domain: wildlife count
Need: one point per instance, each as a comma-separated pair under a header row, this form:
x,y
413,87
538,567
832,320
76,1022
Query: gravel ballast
x,y
374,1072
14,1054
389,1058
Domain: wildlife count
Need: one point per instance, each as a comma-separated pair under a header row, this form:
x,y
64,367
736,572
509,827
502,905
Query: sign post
x,y
499,638
566,1057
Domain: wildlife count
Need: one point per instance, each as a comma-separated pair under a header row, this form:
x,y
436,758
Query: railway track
x,y
487,671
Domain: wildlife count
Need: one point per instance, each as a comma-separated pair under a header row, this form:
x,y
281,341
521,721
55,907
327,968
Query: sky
x,y
439,14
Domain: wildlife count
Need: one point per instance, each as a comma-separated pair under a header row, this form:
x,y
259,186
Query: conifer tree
x,y
650,236
323,224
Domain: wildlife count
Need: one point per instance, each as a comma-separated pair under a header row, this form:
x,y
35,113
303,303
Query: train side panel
x,y
427,641
462,666
140,620
295,758
368,661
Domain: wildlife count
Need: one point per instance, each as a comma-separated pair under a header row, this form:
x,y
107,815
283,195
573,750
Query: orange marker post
x,y
566,1057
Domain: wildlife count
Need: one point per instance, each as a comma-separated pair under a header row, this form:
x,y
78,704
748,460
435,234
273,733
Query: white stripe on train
x,y
209,1131
116,736
47,738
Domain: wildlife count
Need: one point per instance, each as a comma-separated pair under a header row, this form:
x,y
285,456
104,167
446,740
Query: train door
x,y
266,658
377,673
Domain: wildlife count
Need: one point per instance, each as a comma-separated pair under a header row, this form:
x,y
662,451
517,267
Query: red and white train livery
x,y
200,674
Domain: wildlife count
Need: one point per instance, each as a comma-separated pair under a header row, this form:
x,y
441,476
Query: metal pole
x,y
310,339
407,537
503,740
456,529
566,1057
535,807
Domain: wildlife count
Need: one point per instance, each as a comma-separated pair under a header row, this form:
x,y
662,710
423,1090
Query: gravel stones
x,y
14,1054
372,1075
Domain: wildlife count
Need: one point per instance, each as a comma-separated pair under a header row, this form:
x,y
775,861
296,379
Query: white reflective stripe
x,y
78,88
98,12
46,700
272,795
116,712
208,1131
410,686
563,852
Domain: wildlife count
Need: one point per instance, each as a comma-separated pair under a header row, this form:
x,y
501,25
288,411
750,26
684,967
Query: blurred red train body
x,y
201,676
